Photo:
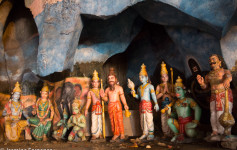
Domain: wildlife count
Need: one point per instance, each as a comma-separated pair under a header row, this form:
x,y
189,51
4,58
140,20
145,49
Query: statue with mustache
x,y
218,80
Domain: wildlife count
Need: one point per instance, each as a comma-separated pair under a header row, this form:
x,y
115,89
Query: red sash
x,y
145,106
218,97
182,123
97,108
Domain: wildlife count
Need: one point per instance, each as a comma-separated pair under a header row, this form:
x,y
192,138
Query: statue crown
x,y
179,82
143,70
45,88
163,69
76,103
95,76
17,88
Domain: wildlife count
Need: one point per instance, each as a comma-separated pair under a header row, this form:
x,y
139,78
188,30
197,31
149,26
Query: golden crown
x,y
179,82
143,71
76,103
163,69
95,76
45,88
17,88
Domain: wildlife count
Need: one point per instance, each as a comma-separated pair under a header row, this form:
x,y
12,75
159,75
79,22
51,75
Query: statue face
x,y
111,79
75,110
44,95
16,95
180,92
164,78
143,78
95,84
214,62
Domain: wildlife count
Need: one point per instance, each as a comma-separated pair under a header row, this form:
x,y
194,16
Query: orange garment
x,y
116,117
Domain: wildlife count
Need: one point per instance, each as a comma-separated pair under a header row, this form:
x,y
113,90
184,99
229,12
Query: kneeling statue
x,y
185,125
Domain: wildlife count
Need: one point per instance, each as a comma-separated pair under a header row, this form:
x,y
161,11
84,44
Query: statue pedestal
x,y
132,125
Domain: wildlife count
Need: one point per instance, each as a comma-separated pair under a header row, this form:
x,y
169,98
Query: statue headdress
x,y
143,70
76,103
163,69
45,88
17,88
179,82
95,76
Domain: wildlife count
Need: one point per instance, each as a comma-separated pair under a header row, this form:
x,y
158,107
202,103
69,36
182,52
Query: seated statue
x,y
182,109
12,114
45,113
78,122
62,124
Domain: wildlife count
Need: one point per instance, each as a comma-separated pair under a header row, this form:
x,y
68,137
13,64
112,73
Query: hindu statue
x,y
12,113
114,94
96,111
78,122
44,115
145,92
62,124
218,80
165,94
181,121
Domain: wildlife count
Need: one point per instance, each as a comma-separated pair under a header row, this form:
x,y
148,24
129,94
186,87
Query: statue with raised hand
x,y
146,93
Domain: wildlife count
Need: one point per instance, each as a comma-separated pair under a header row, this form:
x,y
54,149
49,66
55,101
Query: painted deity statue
x,y
218,80
165,95
96,111
78,122
146,92
44,116
113,94
12,113
62,124
183,107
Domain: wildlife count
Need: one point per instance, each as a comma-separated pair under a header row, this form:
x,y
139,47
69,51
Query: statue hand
x,y
102,93
156,107
200,79
226,83
126,107
191,125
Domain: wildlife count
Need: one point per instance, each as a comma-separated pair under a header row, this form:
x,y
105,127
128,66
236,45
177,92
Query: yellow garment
x,y
176,124
13,131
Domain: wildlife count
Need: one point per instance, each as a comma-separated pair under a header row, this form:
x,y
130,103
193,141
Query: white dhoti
x,y
215,124
164,125
96,128
147,123
146,117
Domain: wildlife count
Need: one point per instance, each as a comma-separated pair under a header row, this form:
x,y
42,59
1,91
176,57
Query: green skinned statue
x,y
62,124
78,122
182,110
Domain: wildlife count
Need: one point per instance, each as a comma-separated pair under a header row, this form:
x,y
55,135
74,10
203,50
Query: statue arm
x,y
197,110
122,97
52,111
88,102
158,93
228,75
153,95
105,97
82,122
69,122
